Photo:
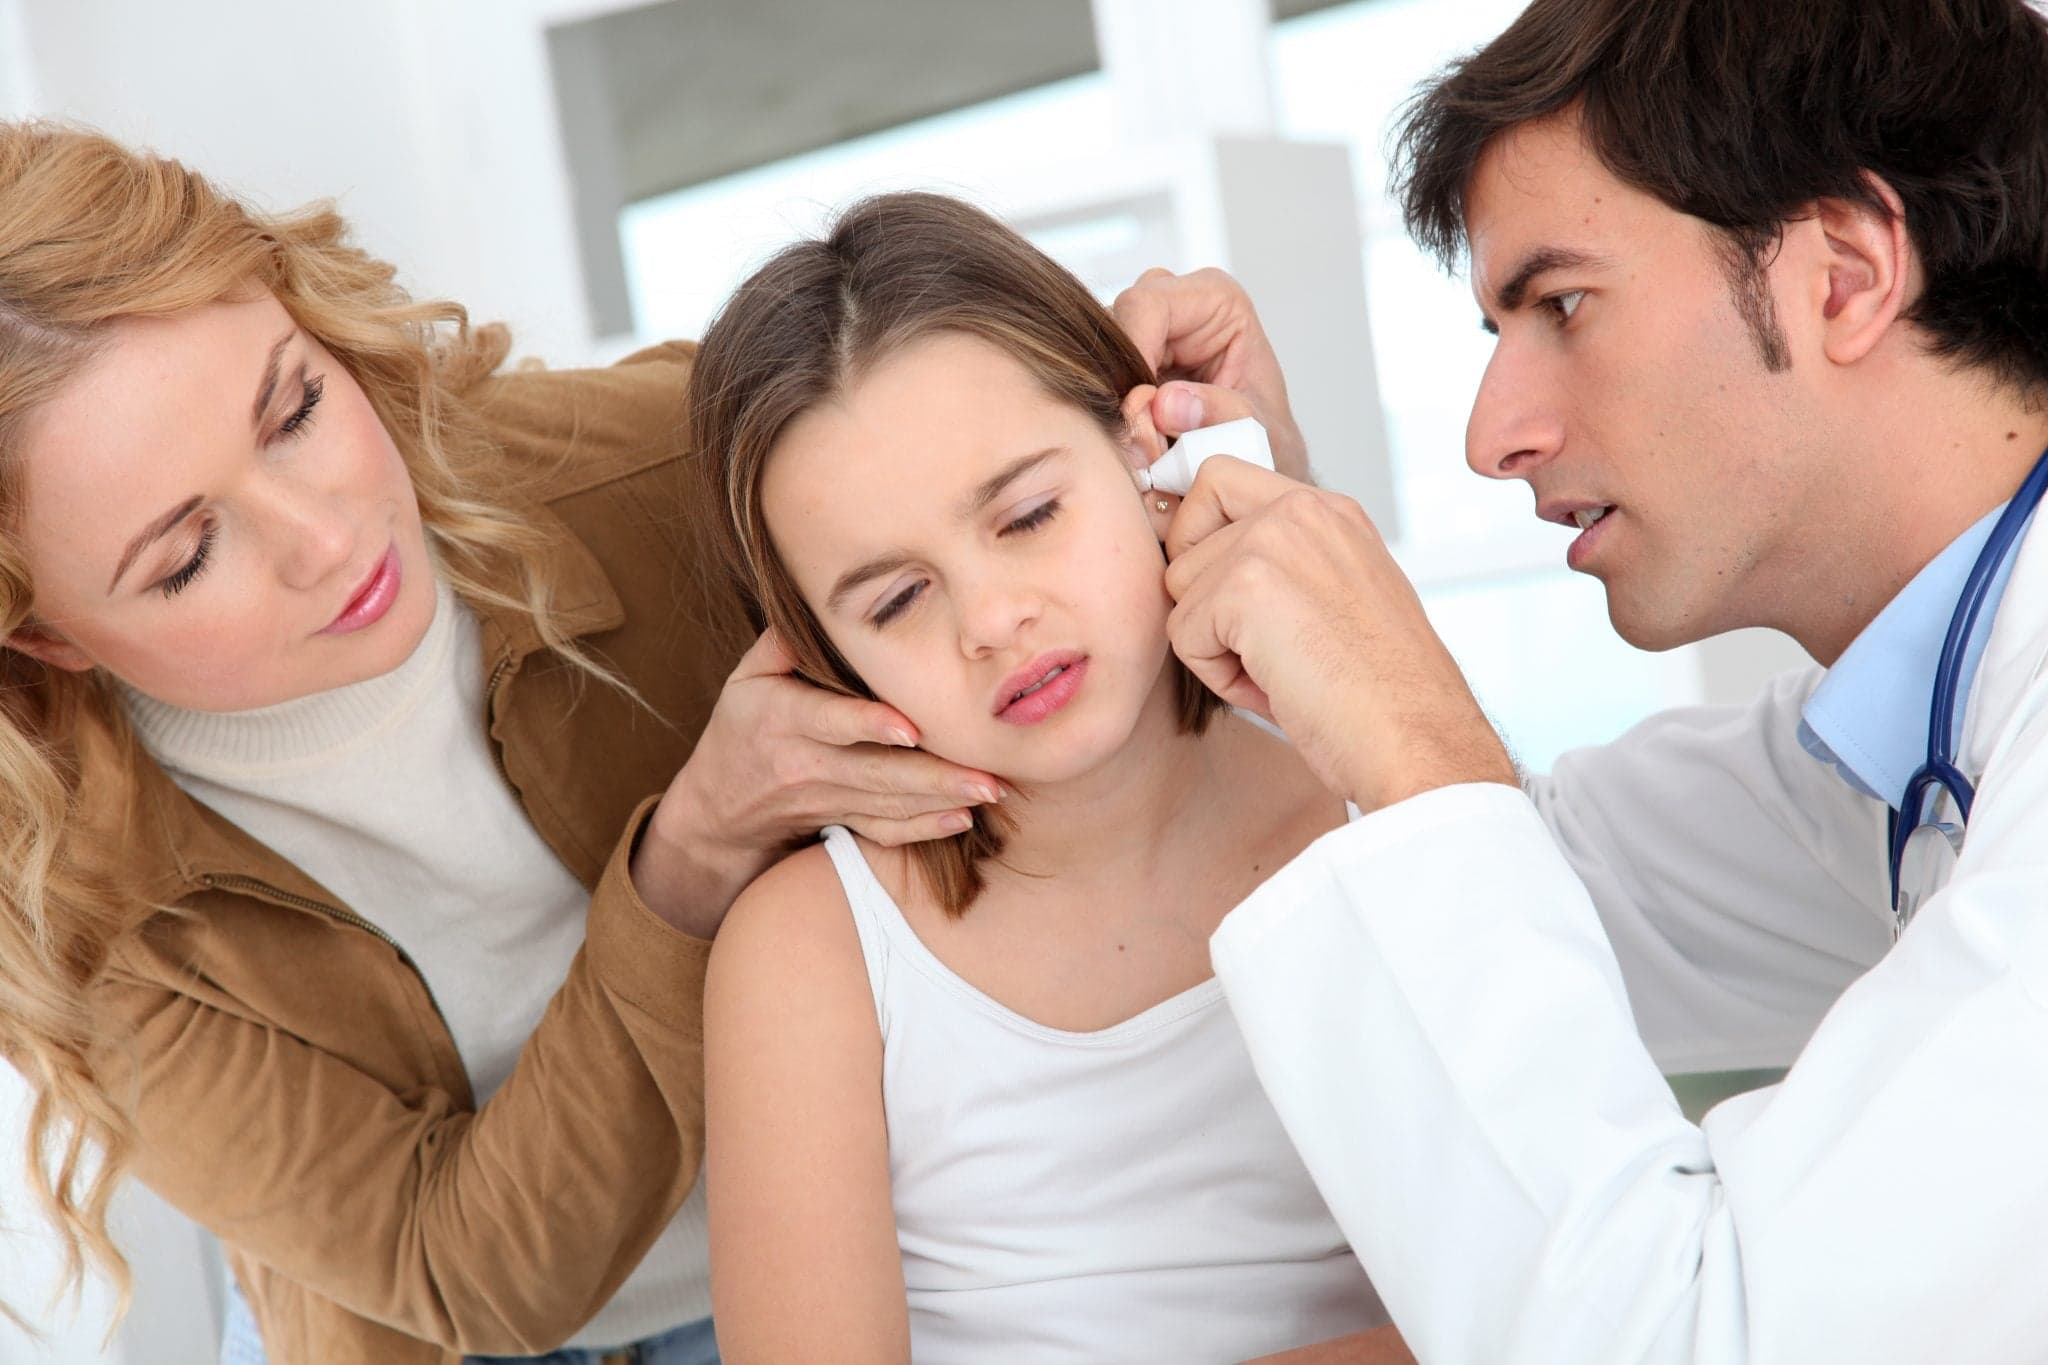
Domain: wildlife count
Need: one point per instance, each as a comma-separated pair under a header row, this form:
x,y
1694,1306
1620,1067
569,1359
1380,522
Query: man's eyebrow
x,y
269,384
156,530
1541,261
985,492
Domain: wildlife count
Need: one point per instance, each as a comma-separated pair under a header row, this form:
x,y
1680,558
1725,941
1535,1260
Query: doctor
x,y
1770,284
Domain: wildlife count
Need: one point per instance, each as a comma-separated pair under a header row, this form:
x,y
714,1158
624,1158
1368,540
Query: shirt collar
x,y
1869,716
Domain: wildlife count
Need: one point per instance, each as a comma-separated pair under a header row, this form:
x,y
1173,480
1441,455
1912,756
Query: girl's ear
x,y
1142,444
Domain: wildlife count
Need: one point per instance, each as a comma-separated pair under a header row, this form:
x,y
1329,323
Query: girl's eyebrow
x,y
992,487
986,492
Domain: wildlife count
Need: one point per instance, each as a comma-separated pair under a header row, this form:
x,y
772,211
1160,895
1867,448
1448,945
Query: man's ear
x,y
47,647
1871,271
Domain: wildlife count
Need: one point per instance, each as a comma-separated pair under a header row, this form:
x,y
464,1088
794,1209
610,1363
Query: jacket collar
x,y
170,846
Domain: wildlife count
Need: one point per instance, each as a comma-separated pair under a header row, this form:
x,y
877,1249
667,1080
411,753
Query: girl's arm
x,y
803,1236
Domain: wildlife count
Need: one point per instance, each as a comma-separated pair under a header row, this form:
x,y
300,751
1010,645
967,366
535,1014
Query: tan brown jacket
x,y
299,1093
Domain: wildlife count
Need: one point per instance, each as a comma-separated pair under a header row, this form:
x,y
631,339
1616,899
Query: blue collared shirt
x,y
1869,716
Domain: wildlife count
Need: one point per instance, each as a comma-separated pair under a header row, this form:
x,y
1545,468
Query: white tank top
x,y
1122,1195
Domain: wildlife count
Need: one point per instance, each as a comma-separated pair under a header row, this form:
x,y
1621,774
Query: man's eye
x,y
1566,304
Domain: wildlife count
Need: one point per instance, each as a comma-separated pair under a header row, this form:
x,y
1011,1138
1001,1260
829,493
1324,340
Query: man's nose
x,y
1517,423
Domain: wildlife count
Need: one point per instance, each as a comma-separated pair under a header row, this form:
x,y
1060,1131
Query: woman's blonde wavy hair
x,y
90,233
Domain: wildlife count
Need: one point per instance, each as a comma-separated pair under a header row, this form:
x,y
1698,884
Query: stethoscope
x,y
1934,845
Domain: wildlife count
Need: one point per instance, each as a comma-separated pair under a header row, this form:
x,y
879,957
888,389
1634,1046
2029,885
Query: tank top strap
x,y
874,912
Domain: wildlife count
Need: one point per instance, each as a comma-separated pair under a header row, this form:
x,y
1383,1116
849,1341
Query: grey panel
x,y
689,90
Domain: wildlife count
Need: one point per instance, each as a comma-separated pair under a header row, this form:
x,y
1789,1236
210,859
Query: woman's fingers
x,y
916,830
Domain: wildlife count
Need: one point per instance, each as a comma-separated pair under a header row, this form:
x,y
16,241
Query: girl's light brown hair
x,y
809,324
91,232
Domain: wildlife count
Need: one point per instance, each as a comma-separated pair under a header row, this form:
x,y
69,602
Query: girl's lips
x,y
371,600
1054,693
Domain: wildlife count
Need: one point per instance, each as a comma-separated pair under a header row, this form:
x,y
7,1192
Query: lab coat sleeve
x,y
1740,880
1440,1022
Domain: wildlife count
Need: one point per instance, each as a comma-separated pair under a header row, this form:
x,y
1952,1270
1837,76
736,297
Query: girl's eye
x,y
896,605
302,416
182,579
1035,518
1566,304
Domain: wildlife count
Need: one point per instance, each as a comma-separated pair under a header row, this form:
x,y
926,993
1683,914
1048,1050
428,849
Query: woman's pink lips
x,y
1029,710
372,600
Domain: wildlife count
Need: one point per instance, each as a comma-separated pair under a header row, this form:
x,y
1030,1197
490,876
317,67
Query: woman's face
x,y
215,515
965,537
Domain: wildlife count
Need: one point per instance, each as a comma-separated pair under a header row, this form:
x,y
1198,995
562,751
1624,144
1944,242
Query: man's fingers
x,y
1145,313
1226,490
1182,405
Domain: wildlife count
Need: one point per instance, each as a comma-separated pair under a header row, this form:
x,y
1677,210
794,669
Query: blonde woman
x,y
369,783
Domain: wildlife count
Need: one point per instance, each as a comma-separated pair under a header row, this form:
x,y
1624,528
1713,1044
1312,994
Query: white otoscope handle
x,y
1174,472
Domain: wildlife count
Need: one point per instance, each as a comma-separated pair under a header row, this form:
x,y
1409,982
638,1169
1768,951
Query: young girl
x,y
350,893
982,1100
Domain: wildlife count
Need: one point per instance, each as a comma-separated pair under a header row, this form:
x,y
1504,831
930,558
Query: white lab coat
x,y
1439,1016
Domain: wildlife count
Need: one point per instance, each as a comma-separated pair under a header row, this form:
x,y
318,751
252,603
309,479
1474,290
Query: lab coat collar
x,y
1869,716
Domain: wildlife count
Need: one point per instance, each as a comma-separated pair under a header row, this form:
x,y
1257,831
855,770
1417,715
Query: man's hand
x,y
1288,604
779,760
1200,335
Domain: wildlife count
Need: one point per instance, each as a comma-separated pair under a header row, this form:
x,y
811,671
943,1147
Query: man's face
x,y
1627,385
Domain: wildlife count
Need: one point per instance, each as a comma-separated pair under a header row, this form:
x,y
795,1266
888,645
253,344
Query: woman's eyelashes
x,y
902,600
196,565
310,390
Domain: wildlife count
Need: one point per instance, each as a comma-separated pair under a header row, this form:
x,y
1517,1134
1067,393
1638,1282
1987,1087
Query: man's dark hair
x,y
1743,112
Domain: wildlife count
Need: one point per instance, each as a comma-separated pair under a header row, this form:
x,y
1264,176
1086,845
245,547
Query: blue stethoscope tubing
x,y
1940,768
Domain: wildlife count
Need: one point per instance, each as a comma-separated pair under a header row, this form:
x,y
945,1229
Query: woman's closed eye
x,y
182,578
310,390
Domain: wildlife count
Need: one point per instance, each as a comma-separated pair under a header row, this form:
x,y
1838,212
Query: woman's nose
x,y
318,539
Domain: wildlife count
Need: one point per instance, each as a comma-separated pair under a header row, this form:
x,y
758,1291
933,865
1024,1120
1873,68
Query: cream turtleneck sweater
x,y
386,793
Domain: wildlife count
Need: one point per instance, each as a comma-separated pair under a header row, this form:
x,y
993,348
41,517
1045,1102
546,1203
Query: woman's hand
x,y
1202,337
1381,1346
779,760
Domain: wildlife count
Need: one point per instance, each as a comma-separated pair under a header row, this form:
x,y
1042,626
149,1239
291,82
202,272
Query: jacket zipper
x,y
504,664
228,881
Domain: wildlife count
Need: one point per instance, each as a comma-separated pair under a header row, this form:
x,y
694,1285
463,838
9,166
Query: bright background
x,y
601,173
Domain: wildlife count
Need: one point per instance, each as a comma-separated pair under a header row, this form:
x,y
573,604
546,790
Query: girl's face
x,y
976,550
215,515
